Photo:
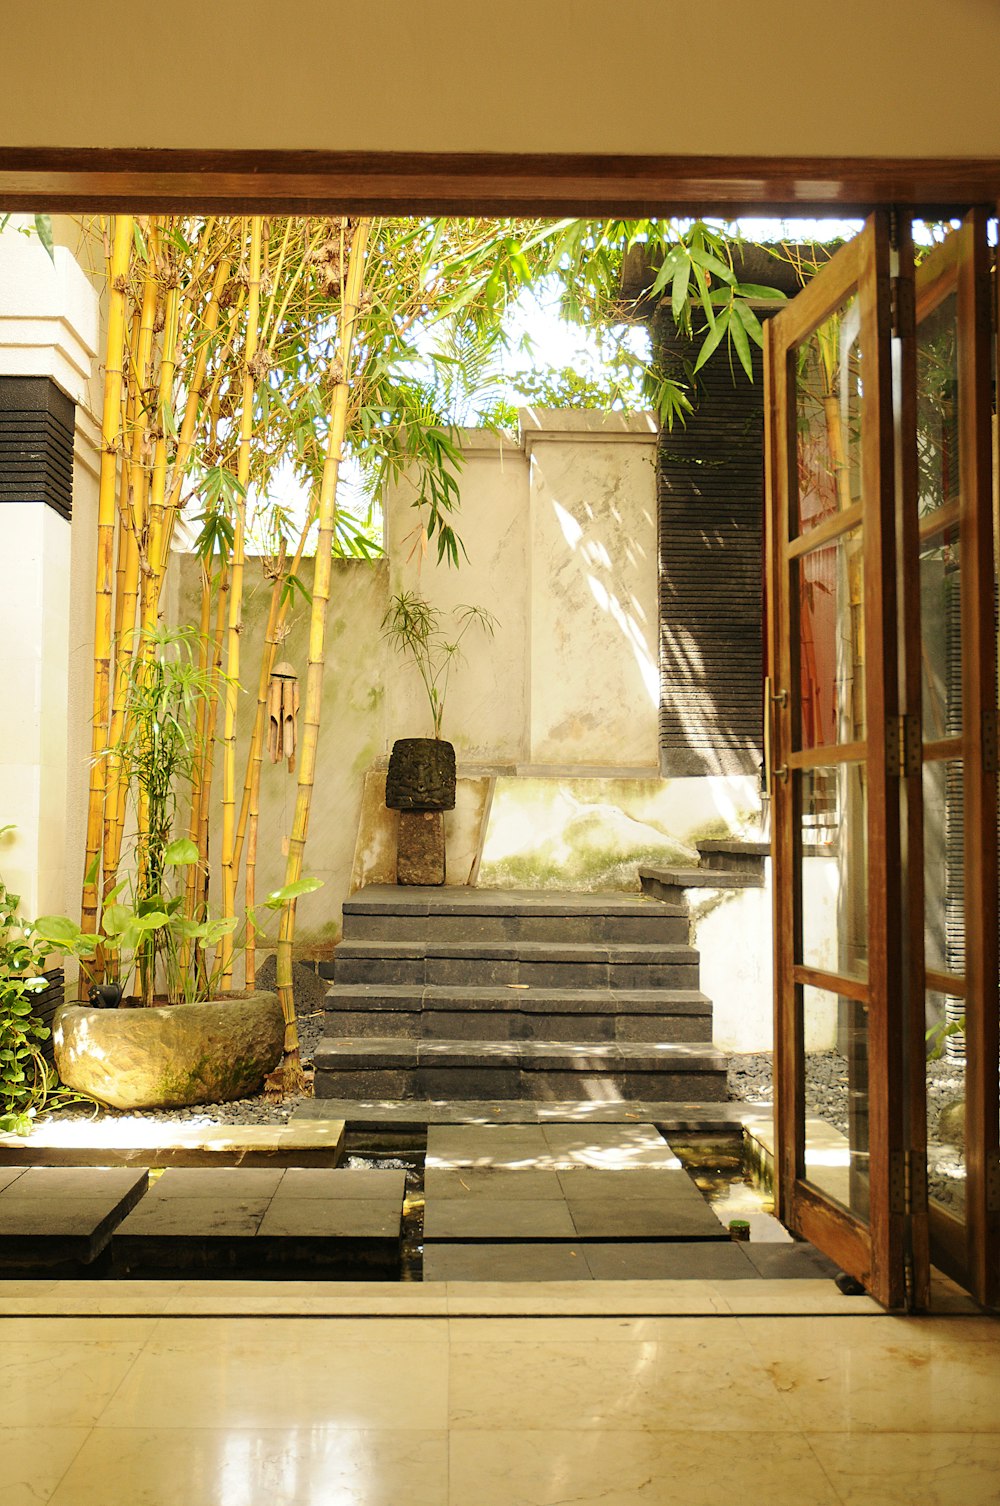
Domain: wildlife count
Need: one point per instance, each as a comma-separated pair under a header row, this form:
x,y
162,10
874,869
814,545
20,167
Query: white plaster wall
x,y
486,708
593,646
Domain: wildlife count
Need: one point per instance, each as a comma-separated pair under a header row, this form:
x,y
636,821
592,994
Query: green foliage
x,y
42,228
27,1082
413,627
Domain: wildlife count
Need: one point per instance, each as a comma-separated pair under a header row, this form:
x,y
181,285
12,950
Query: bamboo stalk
x,y
131,526
106,509
327,510
236,604
152,558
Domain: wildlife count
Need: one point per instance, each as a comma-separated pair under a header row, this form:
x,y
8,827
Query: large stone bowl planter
x,y
170,1056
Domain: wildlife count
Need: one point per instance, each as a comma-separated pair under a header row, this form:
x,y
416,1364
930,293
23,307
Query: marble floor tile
x,y
69,1330
253,1375
621,1468
902,1469
62,1383
297,1466
34,1460
888,1375
697,1374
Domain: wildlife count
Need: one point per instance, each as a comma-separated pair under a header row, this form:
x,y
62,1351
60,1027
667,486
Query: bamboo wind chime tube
x,y
327,511
229,874
106,510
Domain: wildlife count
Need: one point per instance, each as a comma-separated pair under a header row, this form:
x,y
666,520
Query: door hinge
x,y
902,308
902,745
991,755
907,1182
993,1184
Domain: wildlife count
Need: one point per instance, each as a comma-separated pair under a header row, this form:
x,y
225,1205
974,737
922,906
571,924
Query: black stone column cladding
x,y
710,503
37,423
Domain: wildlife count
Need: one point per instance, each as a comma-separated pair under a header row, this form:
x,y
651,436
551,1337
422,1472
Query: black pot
x,y
421,775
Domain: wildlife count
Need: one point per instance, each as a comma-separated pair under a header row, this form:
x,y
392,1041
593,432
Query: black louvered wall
x,y
36,443
710,485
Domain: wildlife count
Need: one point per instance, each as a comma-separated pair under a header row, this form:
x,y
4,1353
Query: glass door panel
x,y
949,531
830,544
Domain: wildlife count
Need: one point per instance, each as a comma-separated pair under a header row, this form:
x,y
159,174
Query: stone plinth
x,y
420,854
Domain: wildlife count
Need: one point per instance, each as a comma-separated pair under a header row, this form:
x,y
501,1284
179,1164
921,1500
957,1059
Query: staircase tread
x,y
520,951
439,995
391,899
703,878
624,1051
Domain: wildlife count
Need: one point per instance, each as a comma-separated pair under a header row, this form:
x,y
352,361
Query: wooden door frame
x,y
872,1250
238,181
84,179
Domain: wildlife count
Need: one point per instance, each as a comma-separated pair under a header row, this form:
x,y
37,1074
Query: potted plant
x,y
421,775
183,1036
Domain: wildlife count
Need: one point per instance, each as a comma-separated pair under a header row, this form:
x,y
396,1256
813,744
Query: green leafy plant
x,y
413,627
27,1083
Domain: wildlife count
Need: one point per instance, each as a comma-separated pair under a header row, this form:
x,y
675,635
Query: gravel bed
x,y
750,1081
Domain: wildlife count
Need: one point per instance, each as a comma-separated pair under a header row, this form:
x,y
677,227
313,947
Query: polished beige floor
x,y
435,1408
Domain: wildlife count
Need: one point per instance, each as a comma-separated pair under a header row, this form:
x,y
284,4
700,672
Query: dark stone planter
x,y
421,775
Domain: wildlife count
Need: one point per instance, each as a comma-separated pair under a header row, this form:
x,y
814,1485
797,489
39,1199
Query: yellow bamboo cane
x,y
327,510
236,603
131,528
106,508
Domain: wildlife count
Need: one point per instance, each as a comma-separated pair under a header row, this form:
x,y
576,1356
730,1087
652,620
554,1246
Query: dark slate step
x,y
537,964
400,1068
342,1223
734,856
60,1218
404,899
618,920
506,1013
672,883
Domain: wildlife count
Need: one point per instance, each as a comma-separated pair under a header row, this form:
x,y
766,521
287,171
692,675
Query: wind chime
x,y
282,714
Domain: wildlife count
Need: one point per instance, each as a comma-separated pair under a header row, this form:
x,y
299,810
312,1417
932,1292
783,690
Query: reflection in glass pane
x,y
831,643
938,477
944,870
941,633
945,1104
835,1030
828,417
833,895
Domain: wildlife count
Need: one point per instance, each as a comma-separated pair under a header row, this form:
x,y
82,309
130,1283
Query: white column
x,y
49,327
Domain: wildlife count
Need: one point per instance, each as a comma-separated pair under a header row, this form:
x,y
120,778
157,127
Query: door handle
x,y
771,699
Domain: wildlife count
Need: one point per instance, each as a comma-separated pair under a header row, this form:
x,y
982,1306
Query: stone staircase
x,y
728,864
479,994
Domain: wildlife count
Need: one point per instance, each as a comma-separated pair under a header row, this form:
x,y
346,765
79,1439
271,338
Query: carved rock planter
x,y
170,1056
421,775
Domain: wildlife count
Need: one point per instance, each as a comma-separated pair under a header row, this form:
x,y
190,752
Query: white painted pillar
x,y
49,326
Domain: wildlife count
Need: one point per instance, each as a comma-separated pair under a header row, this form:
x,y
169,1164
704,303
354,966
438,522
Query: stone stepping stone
x,y
341,1223
550,1147
560,1182
55,1217
721,1261
128,1141
505,1262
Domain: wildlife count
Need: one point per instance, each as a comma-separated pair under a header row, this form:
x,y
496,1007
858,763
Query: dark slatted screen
x,y
710,484
45,1003
36,443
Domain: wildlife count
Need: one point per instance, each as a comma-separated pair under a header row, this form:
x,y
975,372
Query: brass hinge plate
x,y
902,746
907,1181
993,1184
991,753
902,307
